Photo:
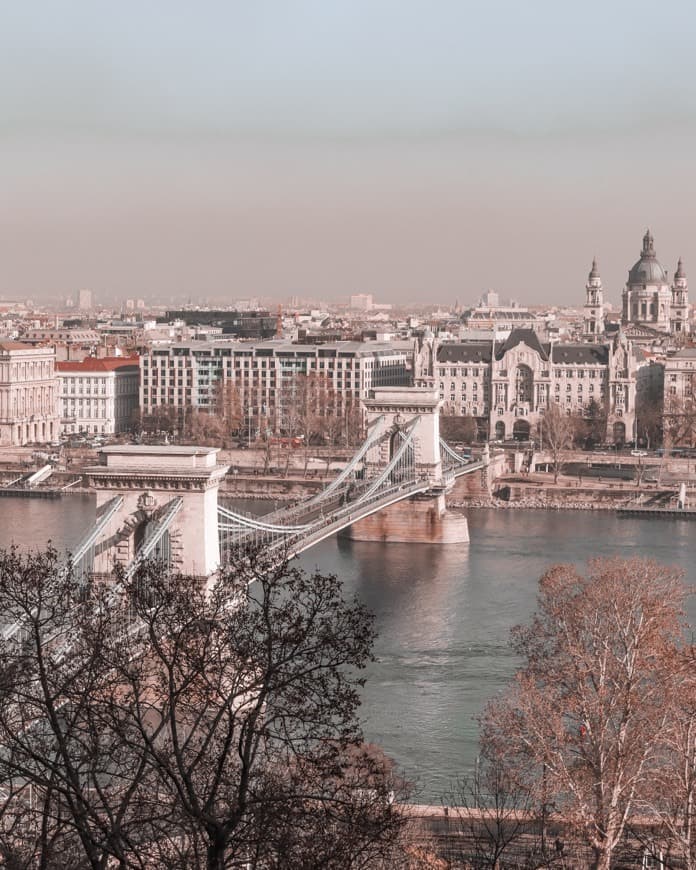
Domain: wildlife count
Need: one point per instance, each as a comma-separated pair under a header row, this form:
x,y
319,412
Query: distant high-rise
x,y
361,301
84,300
490,299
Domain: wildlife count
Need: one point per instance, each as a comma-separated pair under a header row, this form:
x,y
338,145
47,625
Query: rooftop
x,y
105,364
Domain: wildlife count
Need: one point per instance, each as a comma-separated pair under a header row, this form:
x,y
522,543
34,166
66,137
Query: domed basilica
x,y
649,302
652,308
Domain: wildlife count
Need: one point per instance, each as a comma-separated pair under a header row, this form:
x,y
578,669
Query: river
x,y
443,614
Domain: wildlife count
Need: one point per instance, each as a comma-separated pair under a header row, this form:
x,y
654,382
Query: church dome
x,y
648,270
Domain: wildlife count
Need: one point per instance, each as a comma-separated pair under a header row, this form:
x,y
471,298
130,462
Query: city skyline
x,y
412,152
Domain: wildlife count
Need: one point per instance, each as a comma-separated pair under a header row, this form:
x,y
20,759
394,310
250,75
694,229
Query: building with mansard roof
x,y
508,385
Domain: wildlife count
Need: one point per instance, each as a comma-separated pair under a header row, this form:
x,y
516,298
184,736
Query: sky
x,y
419,150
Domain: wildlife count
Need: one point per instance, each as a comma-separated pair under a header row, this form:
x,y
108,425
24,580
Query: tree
x,y
57,756
555,432
679,420
462,428
353,422
307,399
595,416
589,706
228,406
203,427
649,419
669,797
167,722
492,814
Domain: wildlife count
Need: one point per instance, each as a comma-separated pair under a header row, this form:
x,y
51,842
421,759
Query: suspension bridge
x,y
162,502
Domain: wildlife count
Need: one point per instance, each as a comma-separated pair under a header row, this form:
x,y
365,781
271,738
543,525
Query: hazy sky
x,y
415,149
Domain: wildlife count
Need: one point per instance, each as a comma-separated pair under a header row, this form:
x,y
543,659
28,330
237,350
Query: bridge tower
x,y
422,518
172,491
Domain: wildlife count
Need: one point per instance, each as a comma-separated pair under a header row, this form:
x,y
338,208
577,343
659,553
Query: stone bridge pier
x,y
149,479
423,518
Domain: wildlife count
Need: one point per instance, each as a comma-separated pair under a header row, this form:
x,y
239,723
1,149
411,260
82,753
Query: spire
x,y
648,244
594,271
680,273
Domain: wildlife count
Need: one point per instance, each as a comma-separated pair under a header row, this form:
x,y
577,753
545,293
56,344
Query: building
x,y
252,324
649,304
70,343
593,316
84,300
29,411
99,396
362,301
678,398
263,376
501,319
508,385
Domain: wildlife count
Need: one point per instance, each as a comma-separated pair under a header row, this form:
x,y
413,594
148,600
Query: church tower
x,y
593,319
679,309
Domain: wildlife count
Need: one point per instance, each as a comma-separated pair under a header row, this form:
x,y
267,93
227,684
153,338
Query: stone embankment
x,y
567,494
540,503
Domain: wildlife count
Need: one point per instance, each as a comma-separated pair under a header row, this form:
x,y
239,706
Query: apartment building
x,y
98,396
264,374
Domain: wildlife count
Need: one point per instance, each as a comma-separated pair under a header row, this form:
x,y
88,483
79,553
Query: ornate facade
x,y
593,319
29,411
507,386
649,301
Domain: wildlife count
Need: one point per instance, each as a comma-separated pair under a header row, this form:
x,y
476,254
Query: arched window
x,y
524,384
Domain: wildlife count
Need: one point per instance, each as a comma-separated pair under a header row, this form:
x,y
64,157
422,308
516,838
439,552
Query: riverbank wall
x,y
565,495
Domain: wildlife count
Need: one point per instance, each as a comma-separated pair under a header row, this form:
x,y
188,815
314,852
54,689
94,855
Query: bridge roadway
x,y
322,519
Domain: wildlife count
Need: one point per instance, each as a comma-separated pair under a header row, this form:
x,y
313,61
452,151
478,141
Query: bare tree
x,y
589,706
555,431
353,422
204,426
649,422
679,420
228,406
167,722
67,779
669,796
492,815
307,399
